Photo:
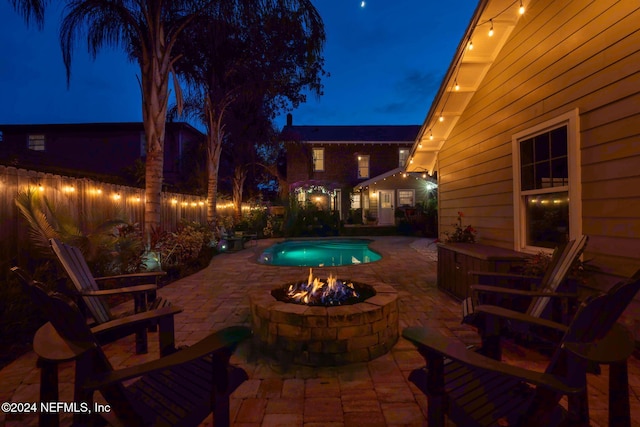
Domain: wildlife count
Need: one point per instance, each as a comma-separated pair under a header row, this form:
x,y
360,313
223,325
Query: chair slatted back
x,y
69,323
594,319
73,262
597,315
557,273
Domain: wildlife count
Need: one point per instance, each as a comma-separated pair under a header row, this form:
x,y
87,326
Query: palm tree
x,y
267,53
147,31
31,9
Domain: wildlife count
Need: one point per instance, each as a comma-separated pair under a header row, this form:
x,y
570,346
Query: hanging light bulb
x,y
470,45
431,136
420,145
521,10
424,175
441,118
456,85
491,29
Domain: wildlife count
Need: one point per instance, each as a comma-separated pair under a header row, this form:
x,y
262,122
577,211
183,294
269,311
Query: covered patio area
x,y
376,393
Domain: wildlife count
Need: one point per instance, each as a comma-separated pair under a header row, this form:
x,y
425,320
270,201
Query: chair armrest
x,y
432,341
226,338
152,274
505,313
116,291
134,320
518,292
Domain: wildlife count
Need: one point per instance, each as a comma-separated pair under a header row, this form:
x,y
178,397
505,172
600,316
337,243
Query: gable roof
x,y
466,72
354,134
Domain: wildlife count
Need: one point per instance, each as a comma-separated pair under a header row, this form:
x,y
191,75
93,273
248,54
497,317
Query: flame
x,y
315,291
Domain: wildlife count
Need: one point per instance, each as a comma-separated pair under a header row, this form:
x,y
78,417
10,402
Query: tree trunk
x,y
239,175
215,137
154,82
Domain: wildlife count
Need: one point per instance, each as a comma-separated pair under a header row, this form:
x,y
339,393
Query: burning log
x,y
316,292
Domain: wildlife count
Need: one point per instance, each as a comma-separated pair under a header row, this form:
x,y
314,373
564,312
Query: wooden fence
x,y
85,200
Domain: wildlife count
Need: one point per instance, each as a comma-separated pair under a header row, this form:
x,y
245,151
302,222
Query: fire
x,y
317,292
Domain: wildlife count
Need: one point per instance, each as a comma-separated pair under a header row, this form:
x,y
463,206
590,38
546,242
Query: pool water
x,y
319,253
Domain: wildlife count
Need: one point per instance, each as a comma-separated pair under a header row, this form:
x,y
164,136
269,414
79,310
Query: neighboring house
x,y
539,140
96,150
326,165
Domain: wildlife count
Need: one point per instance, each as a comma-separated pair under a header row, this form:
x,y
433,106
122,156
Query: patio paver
x,y
376,393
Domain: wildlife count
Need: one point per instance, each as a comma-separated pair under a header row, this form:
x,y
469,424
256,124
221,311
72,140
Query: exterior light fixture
x,y
491,29
441,118
521,10
470,47
456,85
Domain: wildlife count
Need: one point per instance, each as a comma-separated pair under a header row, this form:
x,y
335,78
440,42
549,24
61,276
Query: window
x,y
355,201
547,203
318,159
36,142
403,155
363,166
406,197
1,136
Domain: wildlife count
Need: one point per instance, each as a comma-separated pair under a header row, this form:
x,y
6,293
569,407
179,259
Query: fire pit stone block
x,y
326,336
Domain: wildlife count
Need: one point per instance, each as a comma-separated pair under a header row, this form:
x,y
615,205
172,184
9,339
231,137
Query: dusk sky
x,y
386,61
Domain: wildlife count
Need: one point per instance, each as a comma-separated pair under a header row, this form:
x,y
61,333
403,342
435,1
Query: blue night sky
x,y
386,61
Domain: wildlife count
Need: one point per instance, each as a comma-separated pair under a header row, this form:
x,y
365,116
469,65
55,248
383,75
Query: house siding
x,y
563,55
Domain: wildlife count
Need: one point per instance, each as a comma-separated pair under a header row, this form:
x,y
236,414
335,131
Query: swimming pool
x,y
319,253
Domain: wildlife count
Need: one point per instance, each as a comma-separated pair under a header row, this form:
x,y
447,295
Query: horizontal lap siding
x,y
561,56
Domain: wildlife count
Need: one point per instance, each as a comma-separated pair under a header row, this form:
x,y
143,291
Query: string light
x,y
430,135
491,32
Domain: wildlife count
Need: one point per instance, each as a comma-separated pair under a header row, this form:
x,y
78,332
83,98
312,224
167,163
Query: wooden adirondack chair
x,y
475,390
93,297
486,299
181,389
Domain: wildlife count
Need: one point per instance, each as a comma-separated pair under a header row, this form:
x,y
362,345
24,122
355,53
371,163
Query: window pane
x,y
527,178
543,175
403,154
526,152
547,219
559,142
363,166
541,147
36,142
405,198
560,172
318,159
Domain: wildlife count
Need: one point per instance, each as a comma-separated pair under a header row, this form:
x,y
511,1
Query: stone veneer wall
x,y
326,336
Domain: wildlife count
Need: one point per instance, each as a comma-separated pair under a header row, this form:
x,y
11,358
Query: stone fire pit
x,y
326,336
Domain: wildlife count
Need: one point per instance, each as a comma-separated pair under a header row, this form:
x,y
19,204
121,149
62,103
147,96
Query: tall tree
x,y
31,10
264,53
147,30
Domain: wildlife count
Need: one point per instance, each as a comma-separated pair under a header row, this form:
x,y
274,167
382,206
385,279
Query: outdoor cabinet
x,y
456,260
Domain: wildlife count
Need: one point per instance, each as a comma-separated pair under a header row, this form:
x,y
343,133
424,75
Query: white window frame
x,y
403,157
37,142
413,196
318,162
571,120
363,162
